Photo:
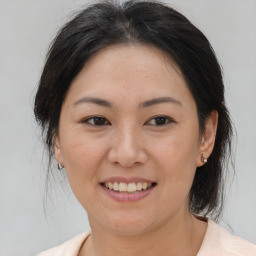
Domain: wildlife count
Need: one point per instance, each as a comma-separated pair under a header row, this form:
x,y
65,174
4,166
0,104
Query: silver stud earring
x,y
60,167
203,158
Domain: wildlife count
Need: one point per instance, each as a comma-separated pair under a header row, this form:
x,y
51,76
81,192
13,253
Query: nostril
x,y
127,152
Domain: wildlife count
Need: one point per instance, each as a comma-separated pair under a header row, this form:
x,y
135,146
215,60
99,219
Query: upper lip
x,y
127,180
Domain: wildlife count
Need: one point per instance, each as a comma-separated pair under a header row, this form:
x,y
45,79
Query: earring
x,y
203,158
60,167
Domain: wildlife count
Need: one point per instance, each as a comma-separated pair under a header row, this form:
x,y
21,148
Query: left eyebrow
x,y
160,100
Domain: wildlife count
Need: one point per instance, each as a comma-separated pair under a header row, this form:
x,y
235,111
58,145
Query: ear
x,y
57,150
208,137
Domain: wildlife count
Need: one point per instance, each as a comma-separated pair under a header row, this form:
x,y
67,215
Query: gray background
x,y
26,29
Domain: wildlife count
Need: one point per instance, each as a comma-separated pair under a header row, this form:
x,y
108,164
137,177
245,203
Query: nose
x,y
127,148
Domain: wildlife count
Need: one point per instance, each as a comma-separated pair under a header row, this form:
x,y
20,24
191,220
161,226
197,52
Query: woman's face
x,y
129,139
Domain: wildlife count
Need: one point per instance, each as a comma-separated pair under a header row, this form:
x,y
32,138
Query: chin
x,y
129,225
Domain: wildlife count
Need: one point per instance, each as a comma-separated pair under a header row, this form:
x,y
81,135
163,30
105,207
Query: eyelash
x,y
96,118
103,121
167,120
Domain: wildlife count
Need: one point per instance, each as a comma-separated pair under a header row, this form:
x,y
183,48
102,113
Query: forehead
x,y
136,59
123,71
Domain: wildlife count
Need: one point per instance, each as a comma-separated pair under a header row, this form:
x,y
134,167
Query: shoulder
x,y
218,241
69,248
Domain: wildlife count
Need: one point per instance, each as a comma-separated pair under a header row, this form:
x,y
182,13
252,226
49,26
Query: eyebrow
x,y
144,104
97,101
160,100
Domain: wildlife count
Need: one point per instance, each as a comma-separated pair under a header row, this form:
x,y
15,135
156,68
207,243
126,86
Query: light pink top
x,y
217,242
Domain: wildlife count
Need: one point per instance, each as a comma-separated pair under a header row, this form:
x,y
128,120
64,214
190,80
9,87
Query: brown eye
x,y
160,121
96,120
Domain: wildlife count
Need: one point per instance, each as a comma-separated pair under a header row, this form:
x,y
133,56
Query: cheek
x,y
177,161
82,157
179,149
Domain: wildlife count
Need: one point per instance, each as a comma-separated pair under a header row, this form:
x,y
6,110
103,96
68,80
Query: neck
x,y
181,236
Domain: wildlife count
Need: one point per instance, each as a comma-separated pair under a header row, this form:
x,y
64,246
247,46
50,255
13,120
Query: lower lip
x,y
128,197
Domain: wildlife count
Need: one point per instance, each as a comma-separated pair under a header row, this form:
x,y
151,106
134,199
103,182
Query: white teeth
x,y
144,185
131,187
139,186
110,185
127,187
122,187
115,186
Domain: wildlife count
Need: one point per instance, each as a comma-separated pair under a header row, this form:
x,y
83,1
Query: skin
x,y
130,143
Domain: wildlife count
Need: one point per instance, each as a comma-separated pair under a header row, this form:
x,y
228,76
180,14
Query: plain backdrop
x,y
27,225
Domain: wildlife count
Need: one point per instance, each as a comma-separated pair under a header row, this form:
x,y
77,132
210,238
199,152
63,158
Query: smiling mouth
x,y
132,187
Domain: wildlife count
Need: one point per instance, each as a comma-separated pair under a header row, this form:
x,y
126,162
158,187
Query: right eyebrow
x,y
97,101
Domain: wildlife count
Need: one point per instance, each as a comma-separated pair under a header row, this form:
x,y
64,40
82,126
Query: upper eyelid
x,y
85,120
156,116
93,116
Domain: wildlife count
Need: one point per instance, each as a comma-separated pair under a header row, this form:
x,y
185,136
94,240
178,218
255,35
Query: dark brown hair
x,y
152,23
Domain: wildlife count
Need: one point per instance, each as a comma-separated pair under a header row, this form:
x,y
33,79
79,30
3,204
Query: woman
x,y
131,100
